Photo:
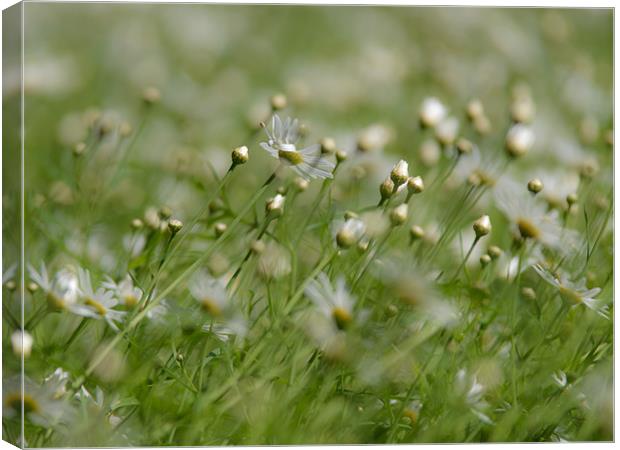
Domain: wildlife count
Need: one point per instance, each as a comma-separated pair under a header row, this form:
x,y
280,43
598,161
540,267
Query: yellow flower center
x,y
528,229
211,306
130,300
98,307
55,302
14,401
570,295
411,415
342,317
291,156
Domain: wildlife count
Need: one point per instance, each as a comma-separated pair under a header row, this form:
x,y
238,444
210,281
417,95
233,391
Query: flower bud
x,y
400,173
432,112
257,247
571,199
220,228
275,206
482,226
32,287
350,233
535,186
341,156
328,145
416,232
474,109
528,293
21,343
278,102
519,140
415,185
485,260
301,184
151,95
463,146
164,213
446,131
398,216
174,225
240,155
79,149
137,224
523,110
495,252
386,189
482,125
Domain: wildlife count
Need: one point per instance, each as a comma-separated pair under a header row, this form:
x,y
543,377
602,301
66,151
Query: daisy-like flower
x,y
574,293
44,404
210,293
307,162
97,304
61,291
472,392
336,304
529,217
125,291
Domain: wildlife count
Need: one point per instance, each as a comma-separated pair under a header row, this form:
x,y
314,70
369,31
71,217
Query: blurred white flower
x,y
574,293
335,304
307,162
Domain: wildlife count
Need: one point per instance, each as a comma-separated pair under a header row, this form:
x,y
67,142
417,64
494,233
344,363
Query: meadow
x,y
255,225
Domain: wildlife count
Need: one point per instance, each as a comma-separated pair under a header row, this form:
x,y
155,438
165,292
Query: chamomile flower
x,y
574,293
210,293
43,404
61,291
128,294
529,217
307,162
334,303
97,304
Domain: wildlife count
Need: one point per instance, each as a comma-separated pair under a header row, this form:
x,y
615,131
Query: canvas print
x,y
297,224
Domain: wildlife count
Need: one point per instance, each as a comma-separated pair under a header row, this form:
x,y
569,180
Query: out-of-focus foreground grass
x,y
132,111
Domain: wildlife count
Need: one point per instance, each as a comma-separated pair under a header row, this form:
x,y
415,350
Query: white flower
x,y
209,292
574,293
307,162
529,217
61,291
432,112
21,343
43,405
125,291
336,304
97,304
